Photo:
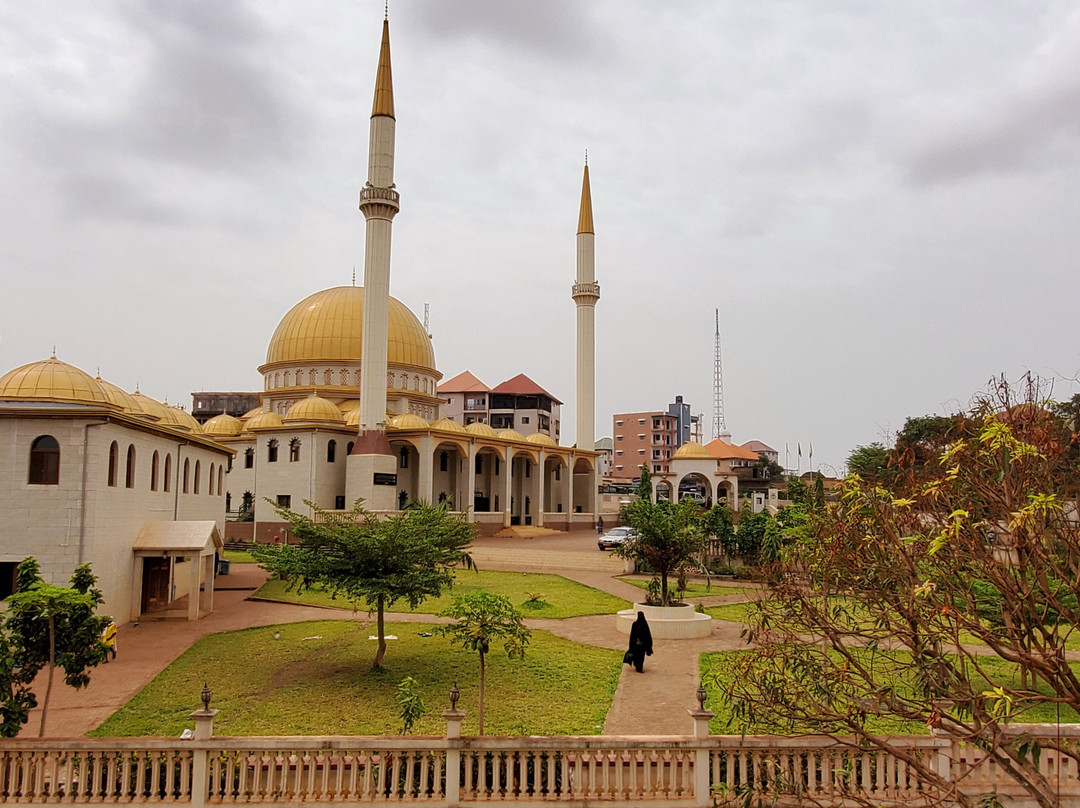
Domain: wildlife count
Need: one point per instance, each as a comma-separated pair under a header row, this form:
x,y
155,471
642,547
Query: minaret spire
x,y
384,81
586,292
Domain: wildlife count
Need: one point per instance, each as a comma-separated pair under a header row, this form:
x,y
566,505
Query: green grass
x,y
239,557
717,672
561,597
324,685
732,612
696,589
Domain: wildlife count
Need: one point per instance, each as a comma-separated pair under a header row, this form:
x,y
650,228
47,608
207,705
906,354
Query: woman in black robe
x,y
640,641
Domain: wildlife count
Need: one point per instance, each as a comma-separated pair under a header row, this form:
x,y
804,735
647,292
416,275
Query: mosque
x,y
349,410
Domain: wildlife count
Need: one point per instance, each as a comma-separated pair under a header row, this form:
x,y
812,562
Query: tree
x,y
667,536
980,546
869,462
409,704
718,523
482,618
366,559
49,626
643,489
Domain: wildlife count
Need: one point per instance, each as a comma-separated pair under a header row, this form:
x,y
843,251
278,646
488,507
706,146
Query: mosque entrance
x,y
155,585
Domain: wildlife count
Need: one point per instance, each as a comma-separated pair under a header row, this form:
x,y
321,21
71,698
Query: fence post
x,y
702,755
200,758
453,718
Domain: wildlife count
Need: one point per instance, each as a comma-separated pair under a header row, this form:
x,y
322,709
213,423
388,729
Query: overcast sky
x,y
882,199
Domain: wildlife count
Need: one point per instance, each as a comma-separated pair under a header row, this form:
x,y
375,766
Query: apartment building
x,y
518,403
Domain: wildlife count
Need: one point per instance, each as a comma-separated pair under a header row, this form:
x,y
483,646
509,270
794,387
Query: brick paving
x,y
650,703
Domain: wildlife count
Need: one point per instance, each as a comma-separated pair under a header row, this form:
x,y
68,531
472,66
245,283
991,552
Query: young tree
x,y
947,600
643,489
49,626
358,556
481,619
667,536
870,462
718,523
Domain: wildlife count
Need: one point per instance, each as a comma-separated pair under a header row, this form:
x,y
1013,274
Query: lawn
x,y
317,680
696,589
719,667
561,597
239,557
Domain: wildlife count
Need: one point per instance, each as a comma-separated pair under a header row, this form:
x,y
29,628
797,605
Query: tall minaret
x,y
371,454
585,293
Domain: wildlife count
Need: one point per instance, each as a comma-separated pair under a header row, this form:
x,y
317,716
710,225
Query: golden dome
x,y
349,405
408,421
541,439
264,420
328,327
252,413
352,417
446,425
481,430
52,380
692,450
183,420
120,397
223,426
314,408
511,434
153,409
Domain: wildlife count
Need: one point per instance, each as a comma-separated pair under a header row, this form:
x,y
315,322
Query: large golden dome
x,y
328,327
53,380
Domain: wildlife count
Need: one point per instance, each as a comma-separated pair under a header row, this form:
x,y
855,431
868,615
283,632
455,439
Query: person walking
x,y
600,526
640,642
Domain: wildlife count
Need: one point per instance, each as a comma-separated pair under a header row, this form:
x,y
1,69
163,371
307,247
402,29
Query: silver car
x,y
615,537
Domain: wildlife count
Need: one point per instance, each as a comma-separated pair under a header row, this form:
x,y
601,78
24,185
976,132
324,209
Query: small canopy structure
x,y
159,549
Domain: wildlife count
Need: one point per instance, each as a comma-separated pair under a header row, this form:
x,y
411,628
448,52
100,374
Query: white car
x,y
615,537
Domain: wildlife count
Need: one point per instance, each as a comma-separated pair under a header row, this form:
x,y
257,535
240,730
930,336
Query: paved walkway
x,y
650,703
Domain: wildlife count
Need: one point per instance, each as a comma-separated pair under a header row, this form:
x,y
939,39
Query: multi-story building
x,y
643,438
518,403
205,406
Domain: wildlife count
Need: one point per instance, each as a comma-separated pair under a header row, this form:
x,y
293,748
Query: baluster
x,y
365,789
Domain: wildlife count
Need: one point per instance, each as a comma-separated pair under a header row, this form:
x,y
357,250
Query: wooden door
x,y
155,584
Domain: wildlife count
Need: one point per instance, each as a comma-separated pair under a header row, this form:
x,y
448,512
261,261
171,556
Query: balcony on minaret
x,y
379,202
586,294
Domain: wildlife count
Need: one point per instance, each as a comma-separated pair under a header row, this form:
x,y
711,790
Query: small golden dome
x,y
446,425
183,420
408,421
541,439
120,397
314,408
692,450
53,380
252,413
349,405
264,420
352,417
223,426
153,409
511,434
481,430
328,326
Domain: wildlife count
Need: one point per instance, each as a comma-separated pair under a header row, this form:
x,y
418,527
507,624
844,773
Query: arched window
x,y
44,461
331,451
404,455
129,470
349,448
114,460
271,451
220,474
210,488
187,474
294,450
154,472
444,461
249,458
198,470
168,474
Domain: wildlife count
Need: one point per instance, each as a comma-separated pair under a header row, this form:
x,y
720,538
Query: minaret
x,y
371,457
585,293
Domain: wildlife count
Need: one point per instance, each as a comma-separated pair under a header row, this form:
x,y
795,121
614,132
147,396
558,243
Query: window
x,y
496,467
220,474
294,450
339,503
44,461
114,459
618,423
528,468
641,436
129,469
618,437
656,467
168,473
641,421
618,452
331,451
556,473
641,451
479,464
403,458
249,458
198,473
524,419
348,449
210,488
284,501
271,451
154,472
187,474
444,461
8,570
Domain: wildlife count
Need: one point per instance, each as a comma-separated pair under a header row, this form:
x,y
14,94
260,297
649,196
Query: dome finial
x,y
386,11
354,275
54,351
586,157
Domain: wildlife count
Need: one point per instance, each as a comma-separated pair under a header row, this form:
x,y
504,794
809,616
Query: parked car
x,y
695,497
615,537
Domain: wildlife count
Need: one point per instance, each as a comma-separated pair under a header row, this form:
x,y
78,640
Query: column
x,y
194,581
427,469
508,485
470,481
541,486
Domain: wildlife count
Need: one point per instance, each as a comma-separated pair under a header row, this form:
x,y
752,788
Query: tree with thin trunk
x,y
370,560
49,626
482,618
667,536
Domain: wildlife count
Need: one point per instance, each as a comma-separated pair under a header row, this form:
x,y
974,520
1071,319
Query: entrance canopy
x,y
178,538
158,549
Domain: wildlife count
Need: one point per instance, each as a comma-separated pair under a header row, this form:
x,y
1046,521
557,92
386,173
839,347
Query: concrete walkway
x,y
653,702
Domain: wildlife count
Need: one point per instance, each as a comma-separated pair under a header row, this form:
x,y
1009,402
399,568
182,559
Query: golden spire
x,y
384,84
585,217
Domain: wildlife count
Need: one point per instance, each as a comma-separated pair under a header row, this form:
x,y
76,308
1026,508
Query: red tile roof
x,y
758,446
723,450
464,382
522,385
